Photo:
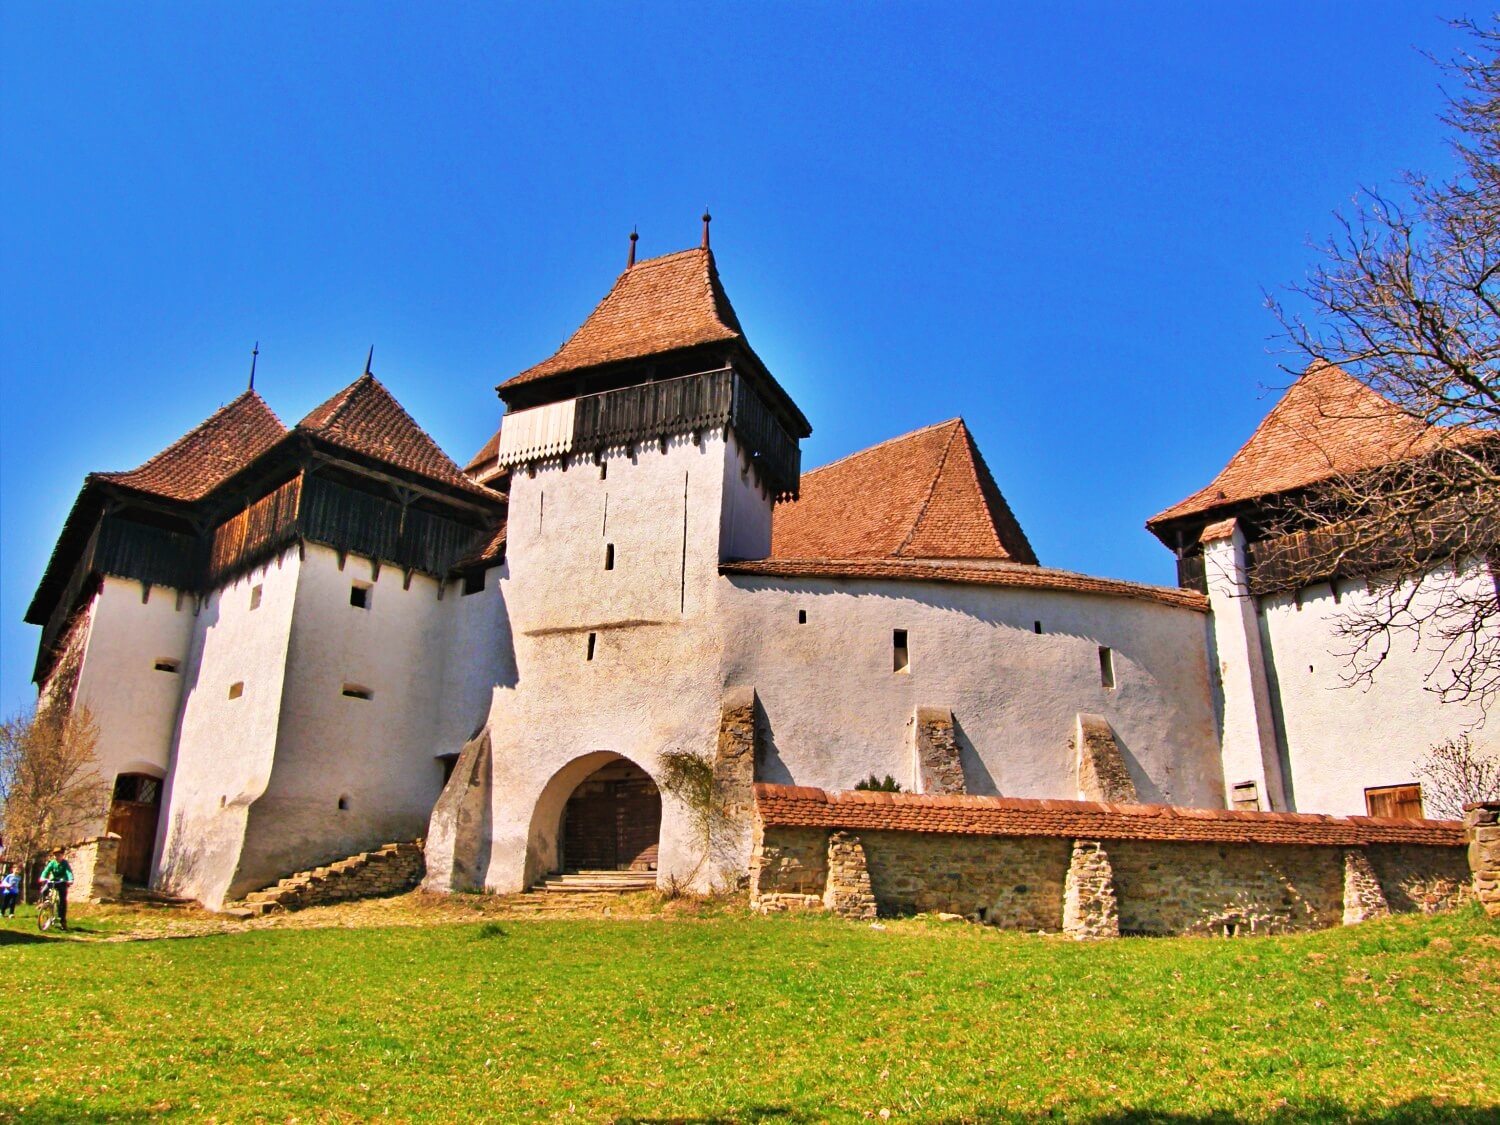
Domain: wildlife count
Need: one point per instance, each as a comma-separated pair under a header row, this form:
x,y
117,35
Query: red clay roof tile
x,y
365,418
1009,816
1326,423
209,454
995,574
924,495
657,305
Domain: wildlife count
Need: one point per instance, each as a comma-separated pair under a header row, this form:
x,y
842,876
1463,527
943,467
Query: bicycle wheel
x,y
46,912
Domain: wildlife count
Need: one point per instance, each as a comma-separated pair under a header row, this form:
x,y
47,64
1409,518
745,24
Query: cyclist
x,y
59,875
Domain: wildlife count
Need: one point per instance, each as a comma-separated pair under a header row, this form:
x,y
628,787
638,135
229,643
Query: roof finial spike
x,y
633,236
707,218
254,354
369,359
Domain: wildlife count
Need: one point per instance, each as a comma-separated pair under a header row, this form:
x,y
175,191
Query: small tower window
x,y
236,689
344,803
359,595
166,664
802,617
357,691
1036,627
473,583
609,556
592,638
603,470
1106,667
901,651
255,593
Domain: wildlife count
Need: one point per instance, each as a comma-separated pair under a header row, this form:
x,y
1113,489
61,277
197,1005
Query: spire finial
x,y
254,355
707,218
633,236
369,359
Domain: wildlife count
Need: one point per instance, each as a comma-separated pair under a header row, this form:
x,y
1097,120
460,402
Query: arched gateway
x,y
612,821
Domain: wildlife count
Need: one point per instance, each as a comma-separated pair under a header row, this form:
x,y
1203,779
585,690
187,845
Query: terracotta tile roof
x,y
1326,423
994,574
365,418
924,495
491,550
207,455
657,305
486,456
801,807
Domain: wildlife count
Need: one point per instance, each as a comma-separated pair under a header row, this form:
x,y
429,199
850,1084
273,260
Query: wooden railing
x,y
651,411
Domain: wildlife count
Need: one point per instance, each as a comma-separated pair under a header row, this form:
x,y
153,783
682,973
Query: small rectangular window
x,y
603,470
1036,627
355,691
592,638
1106,667
802,617
1401,801
255,592
609,556
236,689
473,583
166,664
359,596
902,653
1245,796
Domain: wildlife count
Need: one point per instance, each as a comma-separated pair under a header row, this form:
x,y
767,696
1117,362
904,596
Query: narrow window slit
x,y
357,691
902,652
1106,667
609,556
592,638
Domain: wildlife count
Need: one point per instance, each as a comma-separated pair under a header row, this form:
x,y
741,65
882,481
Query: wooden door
x,y
1403,801
133,816
613,821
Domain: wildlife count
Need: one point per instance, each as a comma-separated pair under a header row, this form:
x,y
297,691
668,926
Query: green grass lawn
x,y
731,1017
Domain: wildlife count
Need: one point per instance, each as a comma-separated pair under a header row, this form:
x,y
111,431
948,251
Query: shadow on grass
x,y
58,1112
1416,1110
22,937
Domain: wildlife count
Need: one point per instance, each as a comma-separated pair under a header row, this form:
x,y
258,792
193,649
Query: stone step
x,y
390,868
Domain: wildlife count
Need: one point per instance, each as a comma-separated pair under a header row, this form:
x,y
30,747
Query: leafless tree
x,y
51,792
1406,298
1455,773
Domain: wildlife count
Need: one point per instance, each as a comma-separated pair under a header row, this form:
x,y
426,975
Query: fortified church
x,y
301,642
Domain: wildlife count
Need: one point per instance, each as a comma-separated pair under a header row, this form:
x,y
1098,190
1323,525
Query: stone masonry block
x,y
939,769
1102,775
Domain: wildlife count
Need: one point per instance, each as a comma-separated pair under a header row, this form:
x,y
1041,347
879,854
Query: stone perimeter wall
x,y
1100,888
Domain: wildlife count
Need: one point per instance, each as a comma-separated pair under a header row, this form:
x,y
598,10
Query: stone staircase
x,y
580,892
384,871
597,882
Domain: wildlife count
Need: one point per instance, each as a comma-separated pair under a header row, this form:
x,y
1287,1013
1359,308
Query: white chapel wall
x,y
653,684
227,736
837,710
374,756
1342,738
132,629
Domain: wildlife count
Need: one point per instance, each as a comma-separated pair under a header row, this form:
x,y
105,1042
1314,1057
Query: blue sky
x,y
1054,220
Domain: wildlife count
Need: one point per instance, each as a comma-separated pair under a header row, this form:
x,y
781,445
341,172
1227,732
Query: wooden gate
x,y
612,821
132,816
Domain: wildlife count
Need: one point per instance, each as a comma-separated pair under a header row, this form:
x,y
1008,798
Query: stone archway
x,y
612,821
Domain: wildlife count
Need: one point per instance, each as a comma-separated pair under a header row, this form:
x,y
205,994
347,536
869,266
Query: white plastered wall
x,y
376,755
131,628
654,683
837,710
1343,738
225,746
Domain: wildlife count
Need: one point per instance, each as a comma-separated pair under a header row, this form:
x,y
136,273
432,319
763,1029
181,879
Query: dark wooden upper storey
x,y
357,474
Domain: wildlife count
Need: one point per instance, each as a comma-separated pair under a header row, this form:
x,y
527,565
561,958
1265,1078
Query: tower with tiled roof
x,y
1296,732
204,607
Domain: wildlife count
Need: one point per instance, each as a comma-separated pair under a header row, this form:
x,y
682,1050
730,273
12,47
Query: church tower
x,y
649,450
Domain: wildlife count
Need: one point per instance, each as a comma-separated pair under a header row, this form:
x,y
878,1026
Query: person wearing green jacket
x,y
59,873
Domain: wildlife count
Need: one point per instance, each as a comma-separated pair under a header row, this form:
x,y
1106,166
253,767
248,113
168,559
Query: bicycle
x,y
46,908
